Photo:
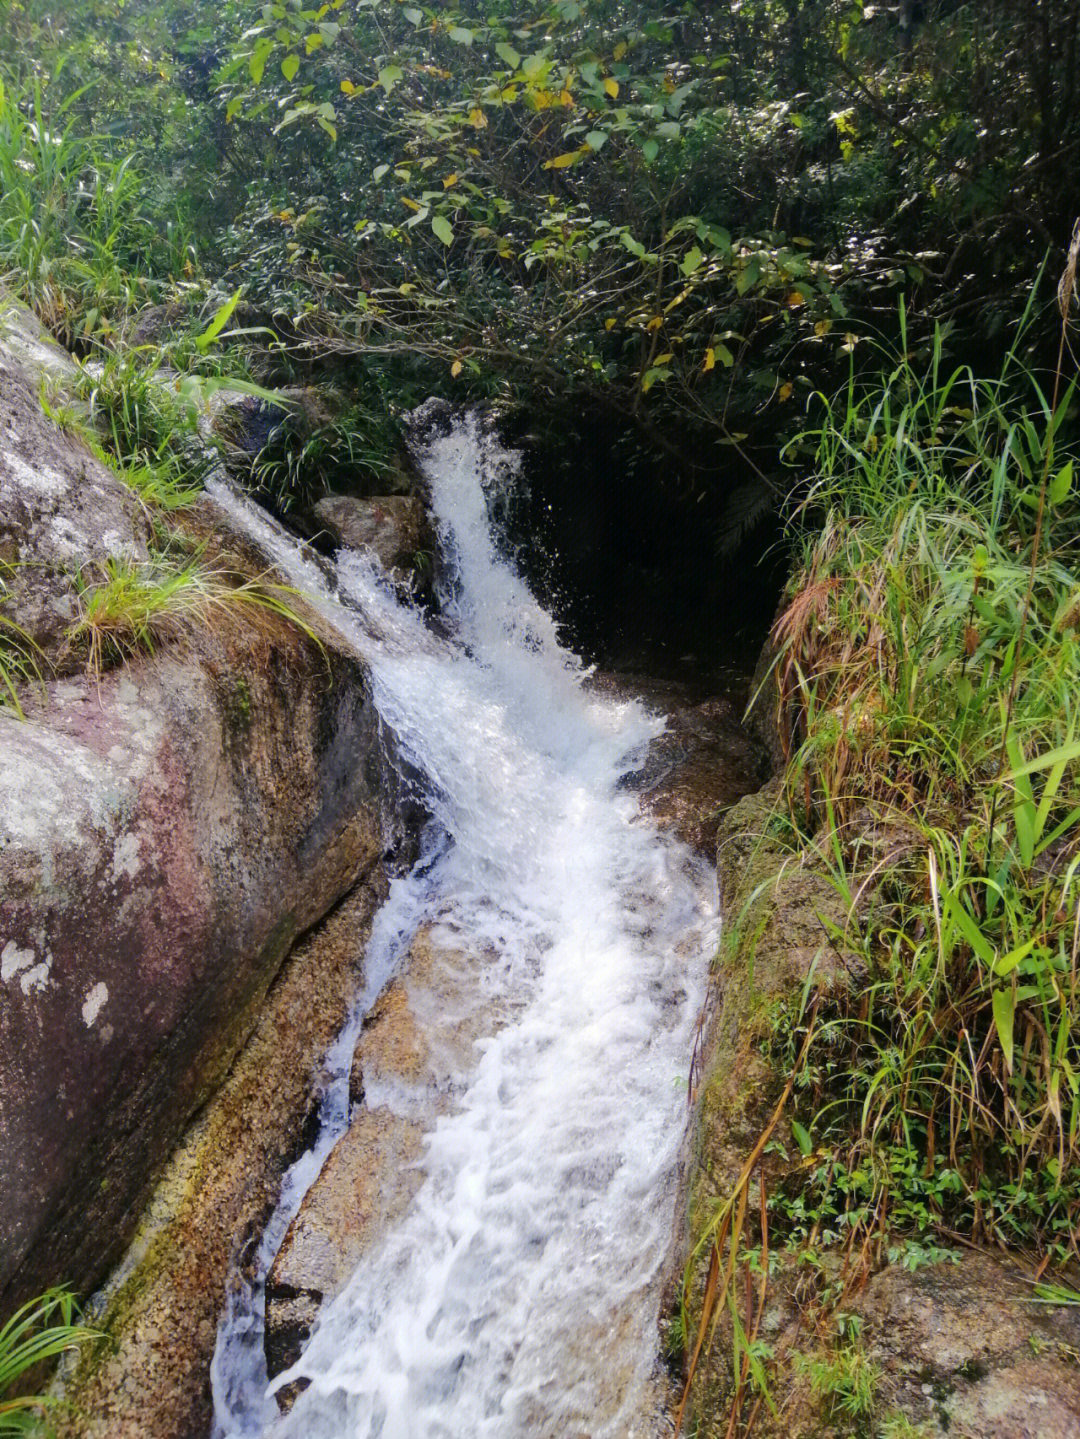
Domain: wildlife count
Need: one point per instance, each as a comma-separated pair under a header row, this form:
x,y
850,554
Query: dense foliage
x,y
687,214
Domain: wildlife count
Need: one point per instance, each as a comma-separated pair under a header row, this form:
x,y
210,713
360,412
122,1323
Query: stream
x,y
518,1293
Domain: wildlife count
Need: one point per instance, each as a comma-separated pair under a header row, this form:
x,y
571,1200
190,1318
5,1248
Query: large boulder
x,y
61,509
166,831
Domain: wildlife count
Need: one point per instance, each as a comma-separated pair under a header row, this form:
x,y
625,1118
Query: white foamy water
x,y
519,1294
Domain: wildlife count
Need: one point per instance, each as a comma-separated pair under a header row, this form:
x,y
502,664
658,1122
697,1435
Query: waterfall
x,y
519,1293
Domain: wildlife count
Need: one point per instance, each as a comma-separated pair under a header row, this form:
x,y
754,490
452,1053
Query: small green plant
x,y
133,606
41,1330
899,1426
18,654
843,1380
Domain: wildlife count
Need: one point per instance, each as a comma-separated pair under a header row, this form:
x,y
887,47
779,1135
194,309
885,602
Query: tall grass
x,y
70,227
931,657
928,667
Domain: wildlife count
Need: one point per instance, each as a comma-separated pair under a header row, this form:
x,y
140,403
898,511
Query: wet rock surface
x,y
365,1185
702,765
392,527
962,1349
162,1305
415,1050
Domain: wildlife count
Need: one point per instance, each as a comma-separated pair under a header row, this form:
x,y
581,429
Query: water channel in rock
x,y
517,1292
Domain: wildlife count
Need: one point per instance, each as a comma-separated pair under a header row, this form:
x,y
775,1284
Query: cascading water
x,y
519,1294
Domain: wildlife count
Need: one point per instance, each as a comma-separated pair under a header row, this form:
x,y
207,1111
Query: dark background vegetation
x,y
648,231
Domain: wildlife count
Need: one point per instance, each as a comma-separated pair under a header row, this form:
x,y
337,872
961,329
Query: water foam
x,y
519,1294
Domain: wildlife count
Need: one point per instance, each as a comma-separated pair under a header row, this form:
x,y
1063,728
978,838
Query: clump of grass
x,y
928,664
931,655
41,1330
18,654
70,228
132,606
843,1381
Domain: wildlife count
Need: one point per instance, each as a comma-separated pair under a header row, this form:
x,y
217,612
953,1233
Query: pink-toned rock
x,y
165,834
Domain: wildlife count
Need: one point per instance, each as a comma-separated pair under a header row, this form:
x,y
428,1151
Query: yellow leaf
x,y
620,49
348,88
710,359
450,180
566,98
477,118
560,162
411,203
822,327
664,359
655,322
542,99
669,84
456,368
612,87
609,323
786,390
795,299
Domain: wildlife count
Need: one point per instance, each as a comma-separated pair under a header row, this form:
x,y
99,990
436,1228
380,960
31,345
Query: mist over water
x,y
519,1294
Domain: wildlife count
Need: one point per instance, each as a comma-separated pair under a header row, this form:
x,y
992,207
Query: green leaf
x,y
802,1139
596,139
692,261
443,229
1065,753
508,54
414,16
389,75
748,276
259,57
1008,962
379,171
650,150
969,929
289,67
1004,1007
218,323
1061,484
461,35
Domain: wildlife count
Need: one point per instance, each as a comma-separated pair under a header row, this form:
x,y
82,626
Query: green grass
x,y
928,666
132,607
70,225
19,654
38,1332
930,657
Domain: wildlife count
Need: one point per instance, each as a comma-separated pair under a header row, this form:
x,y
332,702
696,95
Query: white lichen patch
x,y
126,857
41,480
36,979
13,960
94,1003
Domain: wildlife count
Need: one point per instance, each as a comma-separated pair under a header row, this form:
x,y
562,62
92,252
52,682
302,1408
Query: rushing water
x,y
519,1294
